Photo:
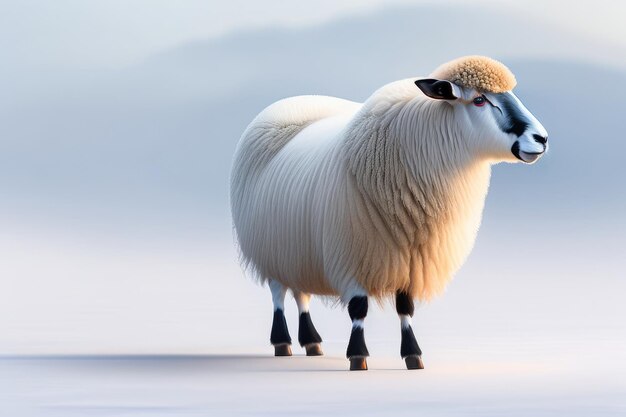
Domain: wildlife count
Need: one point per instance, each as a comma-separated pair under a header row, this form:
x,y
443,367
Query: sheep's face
x,y
500,125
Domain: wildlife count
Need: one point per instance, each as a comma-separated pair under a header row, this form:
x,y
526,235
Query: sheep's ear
x,y
438,89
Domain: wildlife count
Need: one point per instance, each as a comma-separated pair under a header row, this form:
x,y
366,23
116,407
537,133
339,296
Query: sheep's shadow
x,y
208,363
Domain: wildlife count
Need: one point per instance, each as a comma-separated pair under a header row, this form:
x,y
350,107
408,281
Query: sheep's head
x,y
480,91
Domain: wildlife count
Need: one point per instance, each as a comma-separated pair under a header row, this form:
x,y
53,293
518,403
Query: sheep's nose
x,y
541,139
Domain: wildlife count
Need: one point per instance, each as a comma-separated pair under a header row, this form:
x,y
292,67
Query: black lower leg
x,y
357,350
307,334
409,349
409,344
279,336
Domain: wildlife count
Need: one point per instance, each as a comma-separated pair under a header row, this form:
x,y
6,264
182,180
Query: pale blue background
x,y
118,121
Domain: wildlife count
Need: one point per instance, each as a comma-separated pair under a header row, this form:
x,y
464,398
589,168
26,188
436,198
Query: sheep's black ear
x,y
437,89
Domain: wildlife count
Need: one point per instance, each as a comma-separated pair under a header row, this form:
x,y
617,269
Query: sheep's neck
x,y
413,170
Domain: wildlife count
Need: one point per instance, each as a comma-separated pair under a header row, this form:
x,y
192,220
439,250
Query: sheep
x,y
377,199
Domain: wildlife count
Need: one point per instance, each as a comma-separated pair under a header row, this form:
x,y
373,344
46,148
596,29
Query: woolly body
x,y
330,195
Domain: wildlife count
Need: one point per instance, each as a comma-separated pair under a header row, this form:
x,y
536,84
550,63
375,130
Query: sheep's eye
x,y
479,101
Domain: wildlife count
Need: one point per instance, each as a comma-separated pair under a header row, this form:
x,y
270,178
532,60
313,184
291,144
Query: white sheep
x,y
382,198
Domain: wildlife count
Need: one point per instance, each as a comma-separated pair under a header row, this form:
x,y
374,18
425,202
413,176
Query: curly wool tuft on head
x,y
479,72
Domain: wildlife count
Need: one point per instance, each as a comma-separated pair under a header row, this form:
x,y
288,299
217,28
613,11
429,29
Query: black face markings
x,y
515,150
437,89
540,139
279,334
512,119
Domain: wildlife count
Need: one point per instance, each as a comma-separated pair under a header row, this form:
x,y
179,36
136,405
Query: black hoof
x,y
414,362
314,349
282,350
358,364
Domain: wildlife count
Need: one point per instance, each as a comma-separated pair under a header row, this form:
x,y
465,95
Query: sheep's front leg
x,y
308,337
357,350
279,336
409,349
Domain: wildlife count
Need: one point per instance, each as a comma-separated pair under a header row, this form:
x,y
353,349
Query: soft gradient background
x,y
118,121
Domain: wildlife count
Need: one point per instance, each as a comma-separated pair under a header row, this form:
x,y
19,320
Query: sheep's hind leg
x,y
409,349
308,337
357,351
279,336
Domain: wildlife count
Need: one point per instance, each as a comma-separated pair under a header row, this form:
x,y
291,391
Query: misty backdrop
x,y
115,233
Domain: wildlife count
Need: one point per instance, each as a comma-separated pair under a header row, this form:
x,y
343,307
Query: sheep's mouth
x,y
526,157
